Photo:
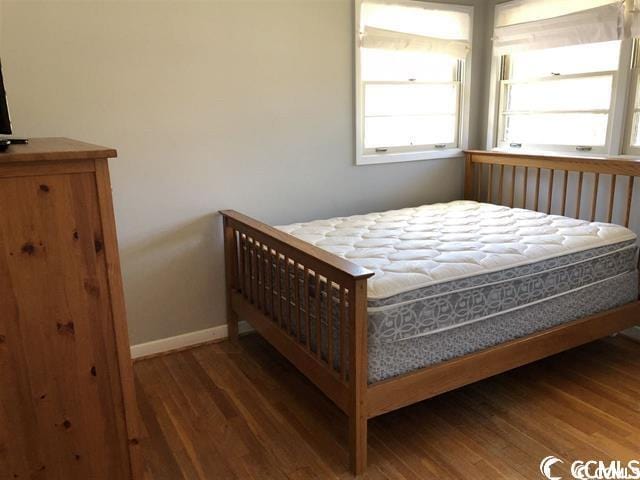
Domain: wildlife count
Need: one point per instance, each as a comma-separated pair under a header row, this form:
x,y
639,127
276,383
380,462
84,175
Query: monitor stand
x,y
6,141
15,141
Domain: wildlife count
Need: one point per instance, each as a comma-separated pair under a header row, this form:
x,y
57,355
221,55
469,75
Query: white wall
x,y
211,105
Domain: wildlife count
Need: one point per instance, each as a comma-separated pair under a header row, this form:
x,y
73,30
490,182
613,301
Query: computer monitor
x,y
5,122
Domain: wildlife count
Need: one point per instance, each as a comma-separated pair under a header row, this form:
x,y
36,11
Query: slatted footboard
x,y
309,304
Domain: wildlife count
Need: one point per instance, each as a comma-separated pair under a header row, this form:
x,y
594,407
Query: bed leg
x,y
230,259
358,360
232,324
358,444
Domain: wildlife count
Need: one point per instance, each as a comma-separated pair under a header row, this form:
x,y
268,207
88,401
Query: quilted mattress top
x,y
416,247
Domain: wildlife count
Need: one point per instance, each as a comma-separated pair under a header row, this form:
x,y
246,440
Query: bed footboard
x,y
310,305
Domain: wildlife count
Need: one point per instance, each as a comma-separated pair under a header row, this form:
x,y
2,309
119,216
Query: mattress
x,y
463,265
389,359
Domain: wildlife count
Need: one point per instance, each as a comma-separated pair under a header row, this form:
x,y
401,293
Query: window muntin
x,y
563,104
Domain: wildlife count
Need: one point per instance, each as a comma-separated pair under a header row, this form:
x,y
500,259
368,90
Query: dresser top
x,y
54,149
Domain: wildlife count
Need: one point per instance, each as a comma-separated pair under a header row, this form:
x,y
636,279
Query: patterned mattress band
x,y
390,359
445,306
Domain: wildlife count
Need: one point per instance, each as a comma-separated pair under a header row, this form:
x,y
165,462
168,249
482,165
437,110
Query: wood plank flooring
x,y
225,411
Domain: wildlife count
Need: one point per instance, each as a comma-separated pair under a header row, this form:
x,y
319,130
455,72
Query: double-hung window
x,y
558,66
410,79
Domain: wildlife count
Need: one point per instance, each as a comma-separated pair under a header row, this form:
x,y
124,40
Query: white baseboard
x,y
633,333
185,340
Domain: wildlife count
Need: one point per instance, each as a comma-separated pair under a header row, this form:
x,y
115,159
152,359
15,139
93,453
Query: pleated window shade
x,y
428,27
539,24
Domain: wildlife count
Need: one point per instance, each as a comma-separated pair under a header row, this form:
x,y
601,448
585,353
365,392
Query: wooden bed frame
x,y
253,251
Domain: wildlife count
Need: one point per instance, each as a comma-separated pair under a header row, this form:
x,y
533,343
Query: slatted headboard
x,y
591,188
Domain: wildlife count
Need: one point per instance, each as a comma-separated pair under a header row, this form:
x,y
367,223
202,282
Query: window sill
x,y
380,158
557,154
552,153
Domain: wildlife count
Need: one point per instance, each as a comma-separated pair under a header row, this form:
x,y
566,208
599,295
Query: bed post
x,y
468,177
358,346
230,262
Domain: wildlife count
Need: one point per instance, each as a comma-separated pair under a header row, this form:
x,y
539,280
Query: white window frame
x,y
618,128
634,78
422,152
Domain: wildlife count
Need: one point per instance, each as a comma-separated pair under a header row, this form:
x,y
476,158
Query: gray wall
x,y
211,105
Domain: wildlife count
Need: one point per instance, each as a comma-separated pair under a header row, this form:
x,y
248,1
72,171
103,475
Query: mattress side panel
x,y
387,360
437,313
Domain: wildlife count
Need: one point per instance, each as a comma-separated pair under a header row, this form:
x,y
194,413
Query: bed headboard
x,y
591,188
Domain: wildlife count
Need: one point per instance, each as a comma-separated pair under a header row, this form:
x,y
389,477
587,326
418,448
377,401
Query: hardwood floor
x,y
225,411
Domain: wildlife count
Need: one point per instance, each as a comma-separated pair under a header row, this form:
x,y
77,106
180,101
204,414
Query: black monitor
x,y
5,122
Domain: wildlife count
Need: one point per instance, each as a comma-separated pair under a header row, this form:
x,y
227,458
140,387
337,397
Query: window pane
x,y
557,129
594,57
409,99
635,136
571,94
392,65
409,130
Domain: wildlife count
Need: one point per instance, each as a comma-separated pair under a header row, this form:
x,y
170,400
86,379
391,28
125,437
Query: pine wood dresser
x,y
66,383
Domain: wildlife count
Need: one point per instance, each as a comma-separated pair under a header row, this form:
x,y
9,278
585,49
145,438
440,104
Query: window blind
x,y
538,24
389,40
428,28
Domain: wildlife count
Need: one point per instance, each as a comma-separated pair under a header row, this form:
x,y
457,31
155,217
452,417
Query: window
x,y
559,98
558,70
410,79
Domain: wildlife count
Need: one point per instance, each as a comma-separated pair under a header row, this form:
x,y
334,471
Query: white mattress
x,y
416,247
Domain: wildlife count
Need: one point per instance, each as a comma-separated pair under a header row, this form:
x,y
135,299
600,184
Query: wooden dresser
x,y
66,383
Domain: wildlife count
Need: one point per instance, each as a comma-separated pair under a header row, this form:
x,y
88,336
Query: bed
x,y
386,309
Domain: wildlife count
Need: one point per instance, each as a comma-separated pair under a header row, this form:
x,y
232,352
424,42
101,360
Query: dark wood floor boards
x,y
601,413
272,418
227,411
